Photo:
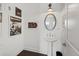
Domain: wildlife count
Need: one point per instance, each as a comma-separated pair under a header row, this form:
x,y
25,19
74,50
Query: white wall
x,y
29,39
31,35
10,45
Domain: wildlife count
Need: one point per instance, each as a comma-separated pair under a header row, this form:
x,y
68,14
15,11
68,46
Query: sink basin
x,y
51,40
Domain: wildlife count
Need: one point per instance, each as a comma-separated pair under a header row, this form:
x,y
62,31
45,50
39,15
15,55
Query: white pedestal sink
x,y
50,40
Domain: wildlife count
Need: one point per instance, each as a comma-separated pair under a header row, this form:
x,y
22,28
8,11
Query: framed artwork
x,y
15,26
0,7
0,24
0,17
32,25
18,12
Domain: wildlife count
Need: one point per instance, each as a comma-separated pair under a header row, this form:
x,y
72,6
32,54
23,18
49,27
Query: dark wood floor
x,y
30,53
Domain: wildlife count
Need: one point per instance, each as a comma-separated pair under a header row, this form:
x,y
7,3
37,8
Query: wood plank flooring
x,y
30,53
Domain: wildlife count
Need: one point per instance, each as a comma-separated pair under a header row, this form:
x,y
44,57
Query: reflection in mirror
x,y
50,22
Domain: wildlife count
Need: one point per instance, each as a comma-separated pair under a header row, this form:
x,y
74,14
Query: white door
x,y
72,34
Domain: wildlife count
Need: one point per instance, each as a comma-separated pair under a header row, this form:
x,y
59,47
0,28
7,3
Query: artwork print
x,y
0,23
0,17
18,12
15,26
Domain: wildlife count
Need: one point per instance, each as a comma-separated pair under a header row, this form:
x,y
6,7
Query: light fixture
x,y
50,11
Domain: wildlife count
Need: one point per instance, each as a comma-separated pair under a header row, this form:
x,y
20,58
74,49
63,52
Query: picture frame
x,y
0,17
18,12
32,25
15,26
0,24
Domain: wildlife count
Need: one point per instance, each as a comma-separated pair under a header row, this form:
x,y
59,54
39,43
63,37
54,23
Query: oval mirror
x,y
50,22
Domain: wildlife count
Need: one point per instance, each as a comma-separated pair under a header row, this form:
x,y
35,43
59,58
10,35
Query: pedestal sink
x,y
50,40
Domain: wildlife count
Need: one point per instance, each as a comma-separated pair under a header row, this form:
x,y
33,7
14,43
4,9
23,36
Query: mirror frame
x,y
54,24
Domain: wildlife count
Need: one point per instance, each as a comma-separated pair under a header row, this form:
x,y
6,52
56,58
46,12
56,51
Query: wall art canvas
x,y
32,25
0,7
0,23
15,26
0,17
18,12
